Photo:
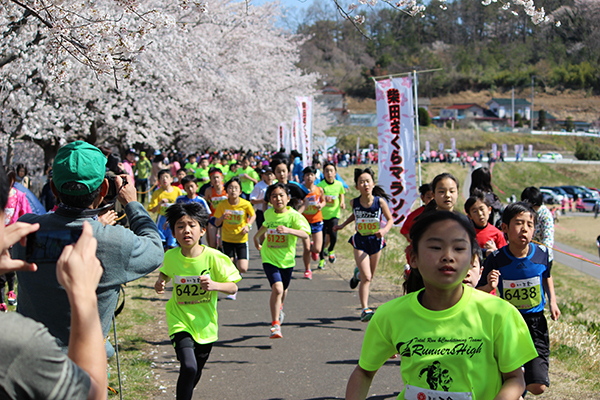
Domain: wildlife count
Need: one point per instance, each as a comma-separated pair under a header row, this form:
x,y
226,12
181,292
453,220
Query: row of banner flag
x,y
300,137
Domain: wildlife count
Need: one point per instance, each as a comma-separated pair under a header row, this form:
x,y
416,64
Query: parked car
x,y
592,193
576,191
557,190
588,205
552,155
551,197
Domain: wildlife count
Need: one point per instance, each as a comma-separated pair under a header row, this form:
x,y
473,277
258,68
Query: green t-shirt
x,y
229,175
142,168
202,174
192,309
461,350
189,166
280,249
332,198
247,184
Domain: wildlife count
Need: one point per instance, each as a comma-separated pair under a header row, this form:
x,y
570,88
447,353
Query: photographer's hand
x,y
127,193
14,233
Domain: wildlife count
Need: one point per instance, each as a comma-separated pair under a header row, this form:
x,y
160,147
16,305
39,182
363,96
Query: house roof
x,y
464,106
331,90
508,102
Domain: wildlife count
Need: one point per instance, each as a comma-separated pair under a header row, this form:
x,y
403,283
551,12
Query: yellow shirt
x,y
236,221
160,194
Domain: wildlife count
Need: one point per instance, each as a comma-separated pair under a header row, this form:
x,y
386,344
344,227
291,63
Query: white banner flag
x,y
304,106
295,136
395,129
283,139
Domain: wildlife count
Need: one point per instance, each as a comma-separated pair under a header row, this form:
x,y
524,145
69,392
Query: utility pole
x,y
532,92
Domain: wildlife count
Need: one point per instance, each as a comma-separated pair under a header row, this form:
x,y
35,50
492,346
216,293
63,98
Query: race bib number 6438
x,y
523,293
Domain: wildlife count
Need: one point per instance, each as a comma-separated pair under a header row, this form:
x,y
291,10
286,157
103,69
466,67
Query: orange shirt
x,y
312,213
215,199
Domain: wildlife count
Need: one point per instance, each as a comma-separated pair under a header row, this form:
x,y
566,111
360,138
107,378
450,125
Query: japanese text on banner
x,y
395,131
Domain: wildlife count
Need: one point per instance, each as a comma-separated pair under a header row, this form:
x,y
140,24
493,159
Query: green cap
x,y
79,162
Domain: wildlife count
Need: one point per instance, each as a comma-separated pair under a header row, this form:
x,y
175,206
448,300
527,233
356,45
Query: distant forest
x,y
479,47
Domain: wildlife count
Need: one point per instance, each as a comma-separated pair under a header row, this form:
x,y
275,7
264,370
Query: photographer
x,y
79,183
31,364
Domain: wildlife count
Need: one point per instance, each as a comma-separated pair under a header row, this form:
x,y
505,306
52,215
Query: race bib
x,y
330,201
188,290
276,240
216,200
524,294
416,393
311,208
367,226
235,218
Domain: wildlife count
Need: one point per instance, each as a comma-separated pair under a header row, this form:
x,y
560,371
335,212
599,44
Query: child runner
x,y
525,280
282,226
202,171
190,187
161,199
335,200
257,197
215,194
198,272
368,241
248,177
235,215
460,343
445,193
311,209
179,175
478,209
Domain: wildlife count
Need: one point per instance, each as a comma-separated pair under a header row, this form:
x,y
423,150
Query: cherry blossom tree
x,y
219,75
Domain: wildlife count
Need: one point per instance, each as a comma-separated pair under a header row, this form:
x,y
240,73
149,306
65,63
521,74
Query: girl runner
x,y
282,226
235,215
368,241
460,343
445,193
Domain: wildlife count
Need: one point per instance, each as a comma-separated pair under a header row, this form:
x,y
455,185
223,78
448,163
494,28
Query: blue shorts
x,y
316,227
276,274
369,244
213,221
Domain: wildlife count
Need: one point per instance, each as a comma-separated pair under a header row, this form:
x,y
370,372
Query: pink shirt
x,y
16,206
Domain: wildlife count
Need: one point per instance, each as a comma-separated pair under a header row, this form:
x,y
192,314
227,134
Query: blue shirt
x,y
521,279
184,200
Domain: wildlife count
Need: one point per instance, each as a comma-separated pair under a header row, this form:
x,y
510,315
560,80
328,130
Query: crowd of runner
x,y
460,342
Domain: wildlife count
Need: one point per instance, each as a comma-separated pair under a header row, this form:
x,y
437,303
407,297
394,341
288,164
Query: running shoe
x,y
3,307
314,256
354,280
321,264
281,315
366,315
276,332
325,252
12,298
308,274
332,257
232,296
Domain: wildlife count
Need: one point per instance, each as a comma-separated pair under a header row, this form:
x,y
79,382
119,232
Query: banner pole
x,y
416,96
